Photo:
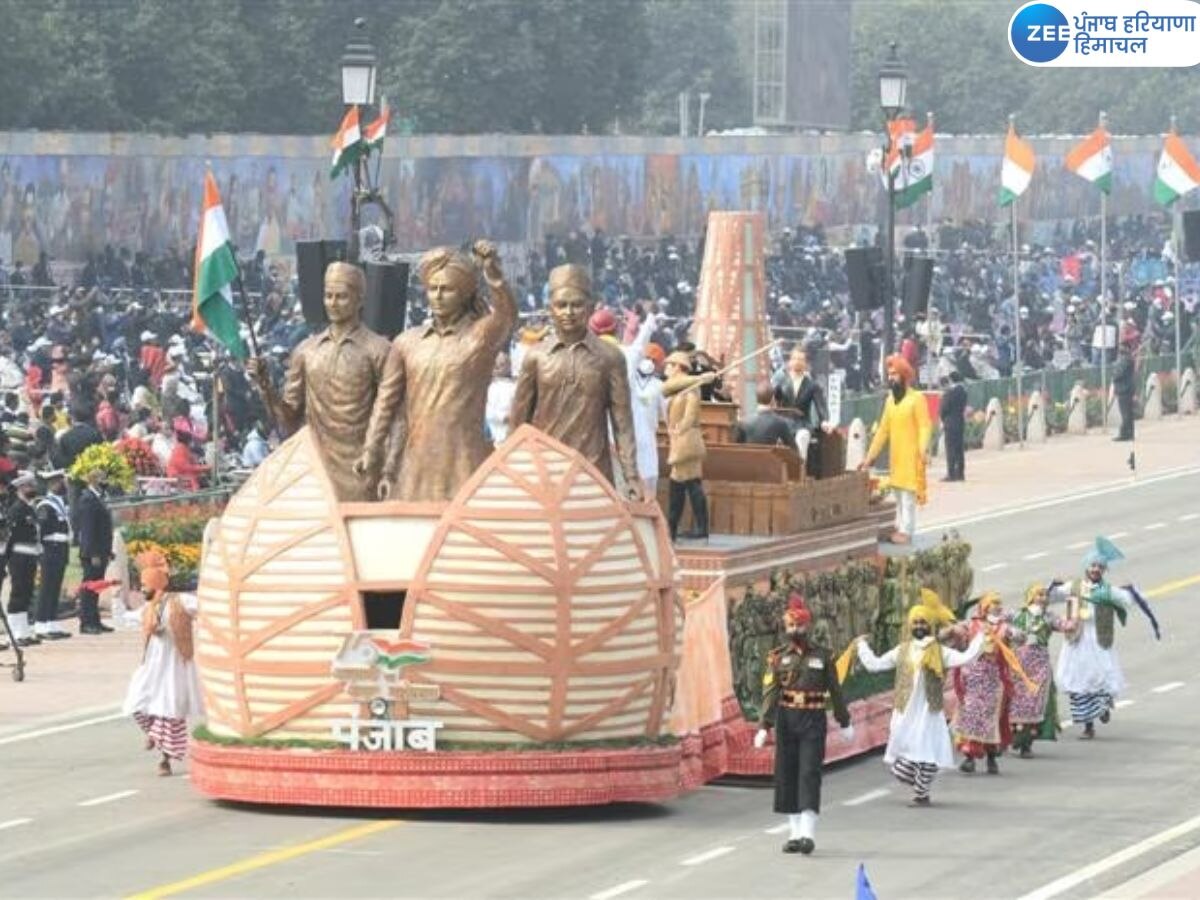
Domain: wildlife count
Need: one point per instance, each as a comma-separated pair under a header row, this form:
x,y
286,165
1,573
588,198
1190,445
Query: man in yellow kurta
x,y
905,427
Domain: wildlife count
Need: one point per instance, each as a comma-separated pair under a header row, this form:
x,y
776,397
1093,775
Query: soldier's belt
x,y
804,699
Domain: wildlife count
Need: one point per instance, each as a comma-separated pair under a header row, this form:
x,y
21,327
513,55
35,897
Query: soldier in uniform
x,y
23,549
54,524
798,684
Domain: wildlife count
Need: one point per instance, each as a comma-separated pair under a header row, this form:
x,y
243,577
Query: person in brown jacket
x,y
686,451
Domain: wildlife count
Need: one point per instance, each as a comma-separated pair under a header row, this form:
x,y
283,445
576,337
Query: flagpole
x,y
929,199
1016,266
1176,227
216,433
1103,303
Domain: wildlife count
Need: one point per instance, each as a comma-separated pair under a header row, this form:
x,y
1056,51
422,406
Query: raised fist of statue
x,y
489,259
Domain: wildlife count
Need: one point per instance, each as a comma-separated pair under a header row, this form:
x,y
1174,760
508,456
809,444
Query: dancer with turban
x,y
904,427
919,742
165,689
799,682
1088,668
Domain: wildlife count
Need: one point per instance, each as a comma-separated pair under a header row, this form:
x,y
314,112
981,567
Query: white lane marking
x,y
867,797
1079,545
777,829
14,823
1084,494
1037,555
1118,534
109,798
1121,704
1187,517
623,888
1154,526
1086,873
994,567
706,856
1169,686
58,729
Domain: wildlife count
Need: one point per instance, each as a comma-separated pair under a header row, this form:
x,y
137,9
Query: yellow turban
x,y
940,612
571,277
1034,593
988,600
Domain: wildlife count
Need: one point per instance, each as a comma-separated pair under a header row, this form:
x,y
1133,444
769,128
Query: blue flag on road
x,y
862,890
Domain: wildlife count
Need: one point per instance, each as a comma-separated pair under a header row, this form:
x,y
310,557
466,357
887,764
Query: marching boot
x,y
23,635
795,830
808,831
993,768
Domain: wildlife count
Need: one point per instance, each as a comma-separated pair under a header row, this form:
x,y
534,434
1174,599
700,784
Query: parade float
x,y
535,640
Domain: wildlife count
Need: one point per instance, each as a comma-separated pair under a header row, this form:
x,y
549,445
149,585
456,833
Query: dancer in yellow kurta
x,y
904,426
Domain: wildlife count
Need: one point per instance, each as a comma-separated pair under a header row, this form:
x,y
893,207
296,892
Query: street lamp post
x,y
359,65
893,85
704,95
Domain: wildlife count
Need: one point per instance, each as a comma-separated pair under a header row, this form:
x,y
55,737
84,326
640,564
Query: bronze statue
x,y
440,372
572,383
331,382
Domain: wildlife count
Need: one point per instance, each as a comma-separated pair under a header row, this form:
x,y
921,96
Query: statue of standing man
x,y
331,382
573,384
437,377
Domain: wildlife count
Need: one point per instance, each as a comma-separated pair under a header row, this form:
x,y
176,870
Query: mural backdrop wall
x,y
71,194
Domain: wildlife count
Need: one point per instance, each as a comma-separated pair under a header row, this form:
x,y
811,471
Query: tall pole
x,y
1103,303
1019,361
356,209
216,430
1176,307
889,264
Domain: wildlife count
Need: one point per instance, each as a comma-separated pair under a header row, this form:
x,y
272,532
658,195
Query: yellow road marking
x,y
1172,586
262,860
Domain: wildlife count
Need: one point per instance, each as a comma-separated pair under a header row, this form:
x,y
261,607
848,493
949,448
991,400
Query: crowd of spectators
x,y
110,355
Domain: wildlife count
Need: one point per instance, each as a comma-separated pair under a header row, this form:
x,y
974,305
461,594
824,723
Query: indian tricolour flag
x,y
1017,170
375,132
347,144
1092,159
900,132
216,270
916,172
1177,171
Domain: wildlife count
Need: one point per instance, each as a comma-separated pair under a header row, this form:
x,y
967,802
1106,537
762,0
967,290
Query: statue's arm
x,y
287,407
525,394
387,402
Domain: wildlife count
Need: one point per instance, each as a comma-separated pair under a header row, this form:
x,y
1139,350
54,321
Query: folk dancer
x,y
903,426
23,550
1088,668
54,526
686,451
165,689
799,682
984,687
919,741
1035,716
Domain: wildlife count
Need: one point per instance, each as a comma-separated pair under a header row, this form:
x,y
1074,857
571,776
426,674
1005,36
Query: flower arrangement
x,y
108,459
139,455
177,525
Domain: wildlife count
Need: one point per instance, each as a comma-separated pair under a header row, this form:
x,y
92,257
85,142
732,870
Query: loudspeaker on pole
x,y
1191,235
386,303
918,279
863,272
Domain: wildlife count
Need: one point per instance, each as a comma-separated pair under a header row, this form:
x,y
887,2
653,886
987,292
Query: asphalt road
x,y
83,815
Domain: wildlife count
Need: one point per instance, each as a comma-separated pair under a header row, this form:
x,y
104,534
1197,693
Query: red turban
x,y
900,366
797,612
602,322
